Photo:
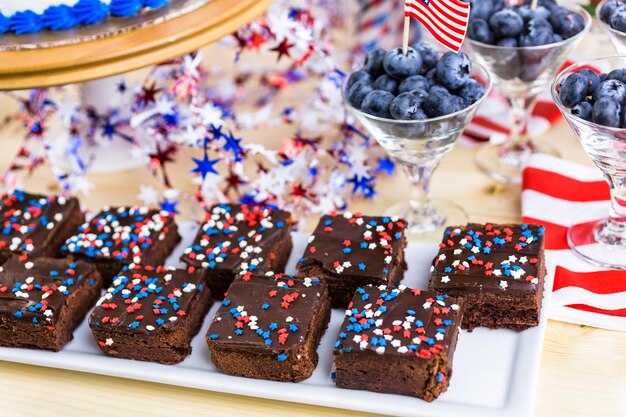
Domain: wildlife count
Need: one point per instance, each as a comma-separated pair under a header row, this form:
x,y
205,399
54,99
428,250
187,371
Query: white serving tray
x,y
495,371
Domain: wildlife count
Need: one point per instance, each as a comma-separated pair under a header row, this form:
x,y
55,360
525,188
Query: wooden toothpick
x,y
405,38
533,4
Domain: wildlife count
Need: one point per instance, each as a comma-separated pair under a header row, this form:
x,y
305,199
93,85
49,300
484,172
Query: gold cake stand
x,y
119,45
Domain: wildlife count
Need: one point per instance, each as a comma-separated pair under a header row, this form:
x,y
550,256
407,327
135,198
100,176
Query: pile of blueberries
x,y
493,22
598,98
415,86
613,13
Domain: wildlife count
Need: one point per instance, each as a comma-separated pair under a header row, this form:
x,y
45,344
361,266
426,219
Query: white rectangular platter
x,y
495,371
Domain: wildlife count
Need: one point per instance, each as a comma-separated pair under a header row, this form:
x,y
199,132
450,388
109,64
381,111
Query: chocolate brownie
x,y
120,236
43,300
499,270
349,251
36,225
398,341
240,238
269,327
151,314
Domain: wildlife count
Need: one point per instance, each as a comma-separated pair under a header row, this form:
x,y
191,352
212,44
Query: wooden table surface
x,y
583,370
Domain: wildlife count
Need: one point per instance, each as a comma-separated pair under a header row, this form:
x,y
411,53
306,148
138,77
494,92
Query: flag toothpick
x,y
533,4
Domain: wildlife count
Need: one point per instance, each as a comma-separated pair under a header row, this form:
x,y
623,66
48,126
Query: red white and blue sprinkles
x,y
146,299
273,311
399,321
123,234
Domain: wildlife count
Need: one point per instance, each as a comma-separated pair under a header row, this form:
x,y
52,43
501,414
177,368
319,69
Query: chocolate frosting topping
x,y
37,290
143,299
267,312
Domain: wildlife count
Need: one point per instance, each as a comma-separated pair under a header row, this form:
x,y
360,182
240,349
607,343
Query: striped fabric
x,y
555,193
446,20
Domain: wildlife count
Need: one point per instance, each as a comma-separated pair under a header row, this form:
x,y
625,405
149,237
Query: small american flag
x,y
446,20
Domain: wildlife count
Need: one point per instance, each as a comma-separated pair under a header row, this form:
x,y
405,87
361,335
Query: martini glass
x,y
597,238
520,74
617,38
418,146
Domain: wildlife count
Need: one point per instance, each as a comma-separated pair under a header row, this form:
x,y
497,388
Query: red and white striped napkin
x,y
555,193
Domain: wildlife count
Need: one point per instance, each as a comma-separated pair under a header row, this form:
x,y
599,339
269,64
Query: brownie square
x,y
151,313
499,270
36,225
240,238
120,236
398,341
349,251
43,300
269,327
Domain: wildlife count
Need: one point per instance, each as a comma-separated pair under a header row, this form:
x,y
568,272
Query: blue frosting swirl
x,y
26,22
153,4
59,17
125,8
89,12
4,23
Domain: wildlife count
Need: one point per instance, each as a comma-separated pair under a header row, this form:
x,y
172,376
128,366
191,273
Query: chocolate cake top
x,y
146,299
237,237
494,257
357,245
267,312
123,234
29,220
400,321
37,290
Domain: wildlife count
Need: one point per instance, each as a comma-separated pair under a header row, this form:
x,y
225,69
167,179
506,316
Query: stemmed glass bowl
x,y
618,39
597,238
520,74
418,146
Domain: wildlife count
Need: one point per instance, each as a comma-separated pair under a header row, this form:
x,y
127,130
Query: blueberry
x,y
400,66
360,75
357,93
603,77
374,62
414,82
479,31
431,75
593,80
573,90
536,24
583,110
527,13
481,9
429,55
618,20
623,119
377,103
507,42
506,23
606,112
612,89
609,8
407,107
471,92
617,74
438,88
439,103
453,70
537,37
571,24
386,83
556,38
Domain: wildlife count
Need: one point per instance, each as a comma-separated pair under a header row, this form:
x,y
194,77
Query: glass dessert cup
x,y
520,74
418,146
618,39
599,239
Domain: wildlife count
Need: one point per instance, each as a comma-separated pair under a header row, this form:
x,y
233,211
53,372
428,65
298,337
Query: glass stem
x,y
614,231
419,178
521,110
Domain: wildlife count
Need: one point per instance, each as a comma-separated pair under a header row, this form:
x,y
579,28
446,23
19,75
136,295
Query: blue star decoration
x,y
364,184
169,206
205,166
386,165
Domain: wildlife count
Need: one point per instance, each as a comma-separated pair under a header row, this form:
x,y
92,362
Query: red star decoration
x,y
282,49
298,192
256,41
148,94
233,181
